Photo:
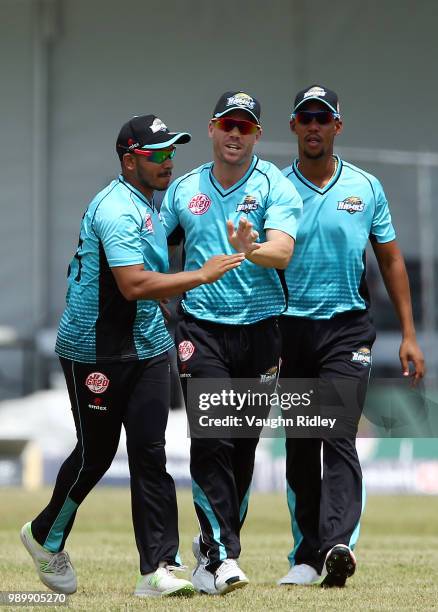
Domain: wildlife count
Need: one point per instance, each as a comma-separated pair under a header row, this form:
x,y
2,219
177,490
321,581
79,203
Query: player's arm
x,y
136,283
274,253
395,277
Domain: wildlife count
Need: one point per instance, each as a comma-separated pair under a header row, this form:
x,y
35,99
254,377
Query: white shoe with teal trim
x,y
301,574
162,583
55,570
229,577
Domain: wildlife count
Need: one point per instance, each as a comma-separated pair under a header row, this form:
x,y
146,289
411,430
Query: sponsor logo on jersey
x,y
249,204
269,376
199,204
157,126
363,356
97,382
149,228
241,99
185,350
353,204
315,91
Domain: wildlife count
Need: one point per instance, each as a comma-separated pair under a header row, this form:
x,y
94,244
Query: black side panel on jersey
x,y
363,285
115,323
282,277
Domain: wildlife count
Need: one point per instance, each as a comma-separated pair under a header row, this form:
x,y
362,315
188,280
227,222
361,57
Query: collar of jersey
x,y
225,192
136,192
311,185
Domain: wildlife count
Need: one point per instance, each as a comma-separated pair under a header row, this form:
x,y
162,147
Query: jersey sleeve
x,y
168,211
284,207
382,229
120,237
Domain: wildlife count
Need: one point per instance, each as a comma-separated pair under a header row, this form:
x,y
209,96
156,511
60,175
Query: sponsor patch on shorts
x,y
97,382
269,376
363,356
185,350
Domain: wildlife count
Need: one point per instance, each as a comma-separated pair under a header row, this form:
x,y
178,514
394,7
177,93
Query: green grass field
x,y
397,556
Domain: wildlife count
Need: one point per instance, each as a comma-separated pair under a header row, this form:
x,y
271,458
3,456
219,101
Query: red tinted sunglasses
x,y
227,124
322,117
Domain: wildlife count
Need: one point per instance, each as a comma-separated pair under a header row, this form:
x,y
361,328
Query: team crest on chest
x,y
199,204
248,205
352,205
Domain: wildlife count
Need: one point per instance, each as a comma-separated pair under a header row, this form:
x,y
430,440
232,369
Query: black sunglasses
x,y
322,117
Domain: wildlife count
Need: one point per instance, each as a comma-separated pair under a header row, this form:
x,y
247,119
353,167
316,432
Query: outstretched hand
x,y
243,239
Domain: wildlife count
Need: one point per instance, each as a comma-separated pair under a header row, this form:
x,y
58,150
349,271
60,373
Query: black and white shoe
x,y
340,564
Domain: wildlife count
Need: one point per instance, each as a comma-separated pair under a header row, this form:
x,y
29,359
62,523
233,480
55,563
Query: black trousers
x,y
324,477
222,469
103,398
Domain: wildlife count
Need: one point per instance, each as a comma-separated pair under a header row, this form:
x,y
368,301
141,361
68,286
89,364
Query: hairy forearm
x,y
272,254
155,286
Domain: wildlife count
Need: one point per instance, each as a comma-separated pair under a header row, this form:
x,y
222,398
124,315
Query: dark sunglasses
x,y
227,124
322,117
156,156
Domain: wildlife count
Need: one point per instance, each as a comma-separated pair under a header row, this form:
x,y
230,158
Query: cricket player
x,y
231,329
328,333
112,343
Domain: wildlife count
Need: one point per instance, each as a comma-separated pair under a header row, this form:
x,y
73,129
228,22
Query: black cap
x,y
237,100
147,132
317,92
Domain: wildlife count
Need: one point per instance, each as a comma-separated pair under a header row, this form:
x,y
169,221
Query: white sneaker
x,y
229,577
340,564
162,583
202,579
302,574
55,570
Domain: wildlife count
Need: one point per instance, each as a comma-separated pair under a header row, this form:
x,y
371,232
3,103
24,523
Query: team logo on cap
x,y
157,126
353,204
97,382
185,350
317,92
199,204
241,99
249,204
148,227
363,356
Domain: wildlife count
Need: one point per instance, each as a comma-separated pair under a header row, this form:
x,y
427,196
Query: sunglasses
x,y
156,156
322,117
226,124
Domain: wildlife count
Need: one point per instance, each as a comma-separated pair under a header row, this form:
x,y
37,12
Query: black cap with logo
x,y
147,132
237,100
319,93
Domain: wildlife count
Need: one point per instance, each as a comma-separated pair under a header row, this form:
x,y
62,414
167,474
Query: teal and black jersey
x,y
119,228
326,275
197,204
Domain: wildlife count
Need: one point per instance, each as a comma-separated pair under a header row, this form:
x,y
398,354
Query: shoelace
x,y
59,562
